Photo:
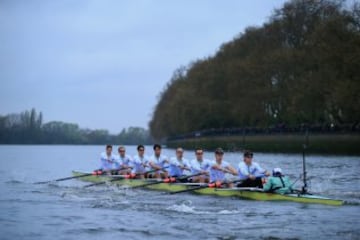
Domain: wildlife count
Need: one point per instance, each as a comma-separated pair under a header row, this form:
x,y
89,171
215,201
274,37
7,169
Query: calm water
x,y
67,211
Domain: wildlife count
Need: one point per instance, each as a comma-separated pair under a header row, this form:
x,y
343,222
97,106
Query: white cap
x,y
277,170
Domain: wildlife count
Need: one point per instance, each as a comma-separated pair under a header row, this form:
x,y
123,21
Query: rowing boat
x,y
244,193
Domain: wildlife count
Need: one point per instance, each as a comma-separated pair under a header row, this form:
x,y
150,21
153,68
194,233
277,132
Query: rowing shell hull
x,y
229,192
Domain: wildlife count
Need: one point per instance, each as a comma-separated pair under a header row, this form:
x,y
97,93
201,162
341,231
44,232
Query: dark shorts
x,y
251,183
181,180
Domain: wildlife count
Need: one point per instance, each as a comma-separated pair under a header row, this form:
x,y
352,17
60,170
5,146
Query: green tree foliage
x,y
302,66
28,128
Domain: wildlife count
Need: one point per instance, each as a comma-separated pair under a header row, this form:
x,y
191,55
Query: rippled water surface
x,y
65,210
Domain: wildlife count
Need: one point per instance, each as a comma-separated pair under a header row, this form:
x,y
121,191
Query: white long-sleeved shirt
x,y
198,166
138,162
245,170
160,161
175,166
217,175
121,161
107,162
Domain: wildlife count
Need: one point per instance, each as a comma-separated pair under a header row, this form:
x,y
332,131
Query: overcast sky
x,y
102,64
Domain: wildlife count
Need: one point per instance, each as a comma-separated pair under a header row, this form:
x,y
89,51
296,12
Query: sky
x,y
102,64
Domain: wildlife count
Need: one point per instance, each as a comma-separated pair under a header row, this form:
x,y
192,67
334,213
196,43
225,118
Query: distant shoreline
x,y
332,144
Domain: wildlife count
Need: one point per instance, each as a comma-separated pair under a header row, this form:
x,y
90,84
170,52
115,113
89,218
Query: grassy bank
x,y
336,144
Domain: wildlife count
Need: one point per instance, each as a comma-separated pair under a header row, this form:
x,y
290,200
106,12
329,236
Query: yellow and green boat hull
x,y
251,194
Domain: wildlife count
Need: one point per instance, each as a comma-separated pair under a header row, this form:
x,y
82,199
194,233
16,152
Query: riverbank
x,y
332,144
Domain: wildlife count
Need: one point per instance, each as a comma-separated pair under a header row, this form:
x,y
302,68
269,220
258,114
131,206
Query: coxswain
x,y
278,183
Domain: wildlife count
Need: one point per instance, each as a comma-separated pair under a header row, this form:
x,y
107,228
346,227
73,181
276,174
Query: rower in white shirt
x,y
140,162
108,160
158,162
250,172
219,168
178,164
123,161
200,165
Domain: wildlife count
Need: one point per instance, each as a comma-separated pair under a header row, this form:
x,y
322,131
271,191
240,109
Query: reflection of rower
x,y
250,172
278,183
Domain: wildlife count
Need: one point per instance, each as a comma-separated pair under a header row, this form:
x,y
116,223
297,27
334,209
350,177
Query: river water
x,y
65,210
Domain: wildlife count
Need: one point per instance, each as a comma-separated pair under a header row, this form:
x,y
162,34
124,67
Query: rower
x,y
278,183
139,163
107,160
158,162
219,168
200,165
250,172
178,164
123,161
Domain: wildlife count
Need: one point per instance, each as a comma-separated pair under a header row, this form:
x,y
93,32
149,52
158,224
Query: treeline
x,y
275,130
300,67
28,128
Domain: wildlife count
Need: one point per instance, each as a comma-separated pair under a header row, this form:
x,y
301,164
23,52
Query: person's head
x,y
179,152
219,154
248,156
199,152
277,172
108,150
121,151
157,149
141,150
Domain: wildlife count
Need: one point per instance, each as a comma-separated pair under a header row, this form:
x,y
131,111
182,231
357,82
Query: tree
x,y
300,67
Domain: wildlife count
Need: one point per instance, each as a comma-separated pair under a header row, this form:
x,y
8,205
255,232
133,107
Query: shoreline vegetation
x,y
299,68
28,128
331,144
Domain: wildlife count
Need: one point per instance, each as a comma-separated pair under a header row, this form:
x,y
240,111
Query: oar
x,y
203,186
167,180
191,189
119,178
210,185
73,177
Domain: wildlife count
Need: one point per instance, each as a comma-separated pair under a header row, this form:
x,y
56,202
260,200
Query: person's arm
x,y
103,162
206,170
267,185
243,171
230,169
153,165
288,183
133,164
127,162
165,163
166,160
261,170
195,168
117,162
185,165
